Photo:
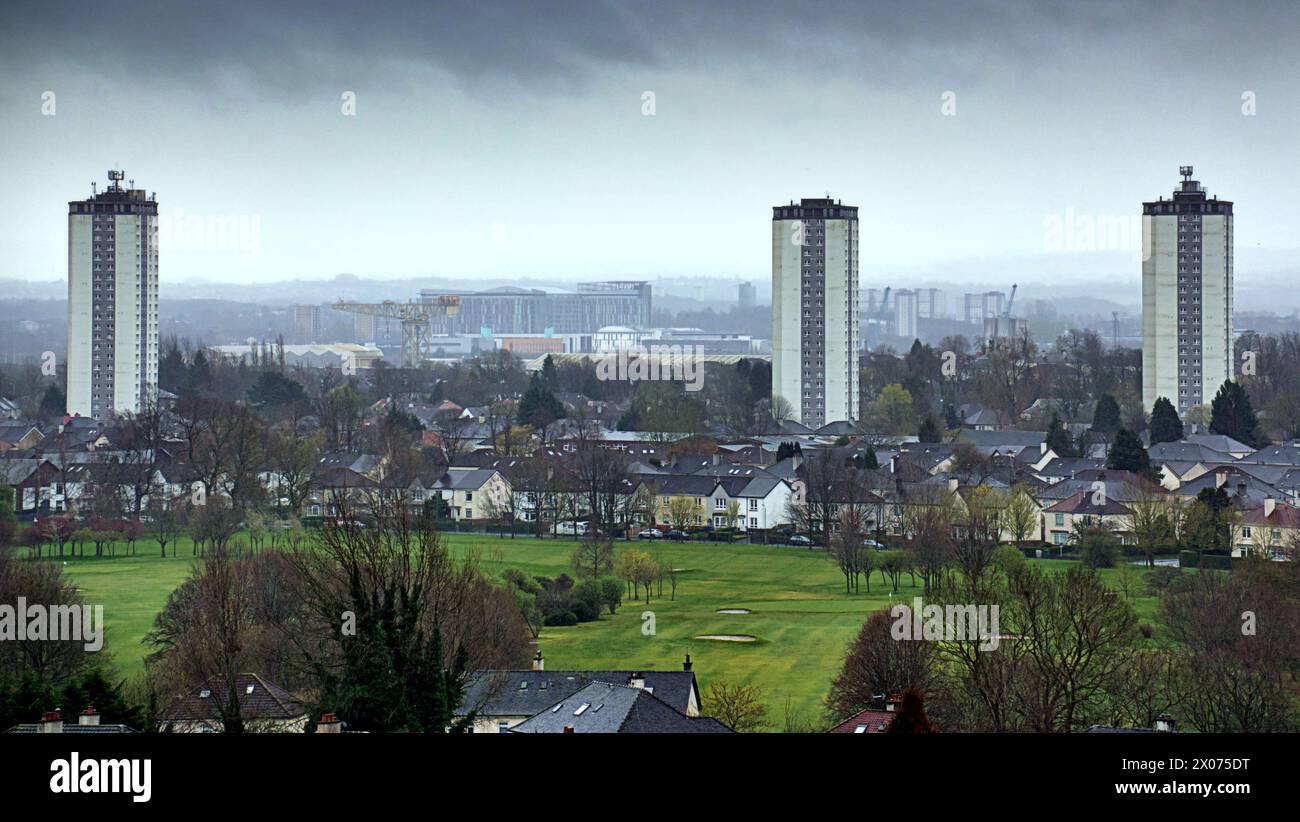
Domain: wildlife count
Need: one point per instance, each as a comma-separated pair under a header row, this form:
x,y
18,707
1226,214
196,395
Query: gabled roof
x,y
602,707
1283,516
258,700
1244,489
1285,454
1004,440
1123,486
524,693
1064,467
466,479
1186,452
1218,442
1083,503
869,721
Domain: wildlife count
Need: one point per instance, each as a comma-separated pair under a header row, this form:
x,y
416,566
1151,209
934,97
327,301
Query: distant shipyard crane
x,y
1005,314
414,317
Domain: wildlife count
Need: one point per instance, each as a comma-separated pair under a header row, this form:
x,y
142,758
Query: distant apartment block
x,y
906,312
931,304
815,336
874,298
306,322
513,310
1186,296
746,295
979,307
112,301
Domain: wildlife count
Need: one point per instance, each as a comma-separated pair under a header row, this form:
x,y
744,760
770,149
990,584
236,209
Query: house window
x,y
753,505
1245,531
469,513
469,496
1058,539
720,504
753,522
1060,519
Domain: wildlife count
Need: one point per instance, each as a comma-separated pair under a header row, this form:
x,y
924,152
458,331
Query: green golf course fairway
x,y
801,618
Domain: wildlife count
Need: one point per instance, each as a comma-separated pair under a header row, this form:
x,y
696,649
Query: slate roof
x,y
525,693
1285,454
76,729
1186,452
1124,486
466,479
1243,488
1082,503
258,700
1219,442
601,707
1065,467
1002,440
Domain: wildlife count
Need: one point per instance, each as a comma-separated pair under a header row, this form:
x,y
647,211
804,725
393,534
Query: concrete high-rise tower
x,y
815,310
1186,296
112,301
906,312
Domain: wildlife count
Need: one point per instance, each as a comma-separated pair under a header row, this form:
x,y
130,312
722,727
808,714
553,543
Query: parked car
x,y
800,539
871,543
677,534
570,528
651,533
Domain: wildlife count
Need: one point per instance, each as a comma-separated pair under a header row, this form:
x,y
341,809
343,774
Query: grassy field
x,y
801,617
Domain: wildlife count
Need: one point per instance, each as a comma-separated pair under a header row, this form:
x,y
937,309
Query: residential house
x,y
87,723
264,707
1082,508
1272,530
502,700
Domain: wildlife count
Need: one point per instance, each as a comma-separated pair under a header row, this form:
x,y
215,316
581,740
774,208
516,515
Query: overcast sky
x,y
512,139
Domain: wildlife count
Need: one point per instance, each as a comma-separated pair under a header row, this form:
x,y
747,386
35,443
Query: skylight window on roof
x,y
582,709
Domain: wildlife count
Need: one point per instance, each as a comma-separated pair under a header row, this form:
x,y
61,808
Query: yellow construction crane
x,y
415,318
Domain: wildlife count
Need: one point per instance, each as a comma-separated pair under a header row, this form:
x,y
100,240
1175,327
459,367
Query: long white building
x,y
1186,296
815,310
112,301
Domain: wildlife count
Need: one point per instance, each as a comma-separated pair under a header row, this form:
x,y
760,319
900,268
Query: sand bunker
x,y
729,637
734,611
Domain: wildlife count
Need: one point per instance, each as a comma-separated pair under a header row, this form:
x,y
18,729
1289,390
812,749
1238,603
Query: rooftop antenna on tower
x,y
1186,171
115,179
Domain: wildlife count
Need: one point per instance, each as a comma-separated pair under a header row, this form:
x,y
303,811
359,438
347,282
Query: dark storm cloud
x,y
290,48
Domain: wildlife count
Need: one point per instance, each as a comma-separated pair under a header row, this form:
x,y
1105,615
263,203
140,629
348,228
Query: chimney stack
x,y
568,729
892,702
686,666
1270,505
329,724
89,716
636,680
1220,479
1166,724
539,664
51,723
